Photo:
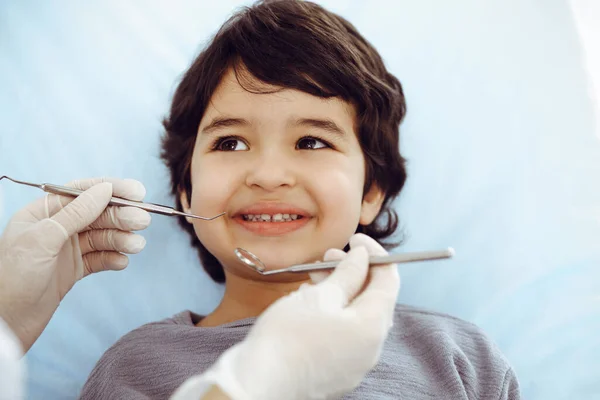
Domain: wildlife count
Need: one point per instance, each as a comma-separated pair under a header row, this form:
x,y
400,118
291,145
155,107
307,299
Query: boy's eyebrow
x,y
324,124
226,122
223,122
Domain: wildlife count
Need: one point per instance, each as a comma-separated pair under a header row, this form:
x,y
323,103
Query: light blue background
x,y
504,166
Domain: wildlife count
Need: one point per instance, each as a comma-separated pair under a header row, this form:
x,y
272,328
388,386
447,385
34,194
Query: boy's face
x,y
288,170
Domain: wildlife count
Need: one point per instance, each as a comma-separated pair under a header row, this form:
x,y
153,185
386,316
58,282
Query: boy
x,y
288,121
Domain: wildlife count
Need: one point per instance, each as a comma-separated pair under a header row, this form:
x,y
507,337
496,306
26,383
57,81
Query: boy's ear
x,y
185,204
371,205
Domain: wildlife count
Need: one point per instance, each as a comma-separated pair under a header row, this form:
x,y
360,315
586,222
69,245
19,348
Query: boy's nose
x,y
271,171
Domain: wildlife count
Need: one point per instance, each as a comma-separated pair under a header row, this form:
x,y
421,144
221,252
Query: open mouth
x,y
275,218
272,218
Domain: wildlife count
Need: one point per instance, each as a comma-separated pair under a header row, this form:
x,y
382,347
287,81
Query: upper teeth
x,y
270,218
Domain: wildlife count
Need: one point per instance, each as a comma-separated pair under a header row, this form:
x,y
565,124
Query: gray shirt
x,y
427,355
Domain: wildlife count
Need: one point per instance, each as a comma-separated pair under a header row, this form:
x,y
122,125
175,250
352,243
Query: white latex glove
x,y
317,342
55,241
12,366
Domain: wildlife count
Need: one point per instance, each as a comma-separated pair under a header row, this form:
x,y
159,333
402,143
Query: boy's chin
x,y
279,257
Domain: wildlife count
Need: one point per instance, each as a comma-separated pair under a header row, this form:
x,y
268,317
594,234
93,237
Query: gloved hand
x,y
55,241
315,343
12,366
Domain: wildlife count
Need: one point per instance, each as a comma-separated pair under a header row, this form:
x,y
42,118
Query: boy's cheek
x,y
341,211
338,190
210,192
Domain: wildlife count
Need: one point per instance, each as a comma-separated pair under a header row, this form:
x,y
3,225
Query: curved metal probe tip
x,y
21,182
197,216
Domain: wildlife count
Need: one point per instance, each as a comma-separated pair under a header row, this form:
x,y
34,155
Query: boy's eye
x,y
230,144
311,143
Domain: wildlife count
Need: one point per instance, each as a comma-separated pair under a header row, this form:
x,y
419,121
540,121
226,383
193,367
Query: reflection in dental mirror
x,y
249,259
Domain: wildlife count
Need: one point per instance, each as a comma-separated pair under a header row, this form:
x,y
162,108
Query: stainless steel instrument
x,y
114,201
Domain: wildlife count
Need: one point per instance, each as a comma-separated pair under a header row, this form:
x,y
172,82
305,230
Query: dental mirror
x,y
250,260
254,263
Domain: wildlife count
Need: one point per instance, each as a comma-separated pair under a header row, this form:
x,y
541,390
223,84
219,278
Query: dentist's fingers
x,y
98,261
380,294
110,240
348,277
330,255
77,215
123,218
84,209
129,189
382,290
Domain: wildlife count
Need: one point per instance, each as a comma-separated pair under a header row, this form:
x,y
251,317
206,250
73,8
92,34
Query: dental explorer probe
x,y
114,201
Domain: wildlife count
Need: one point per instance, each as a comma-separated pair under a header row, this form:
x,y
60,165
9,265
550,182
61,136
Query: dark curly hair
x,y
297,45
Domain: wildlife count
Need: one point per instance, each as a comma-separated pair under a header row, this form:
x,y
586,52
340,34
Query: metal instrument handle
x,y
379,260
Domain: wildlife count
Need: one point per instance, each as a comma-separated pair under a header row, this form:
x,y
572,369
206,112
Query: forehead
x,y
247,97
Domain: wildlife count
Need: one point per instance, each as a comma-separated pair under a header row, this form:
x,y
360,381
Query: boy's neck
x,y
245,298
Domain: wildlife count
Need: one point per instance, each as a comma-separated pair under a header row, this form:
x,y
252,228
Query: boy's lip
x,y
272,228
271,208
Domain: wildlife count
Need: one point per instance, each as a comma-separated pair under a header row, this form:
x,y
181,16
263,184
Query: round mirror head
x,y
249,260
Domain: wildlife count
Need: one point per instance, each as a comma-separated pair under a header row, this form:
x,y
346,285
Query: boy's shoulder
x,y
164,348
443,333
416,318
152,335
179,322
442,354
